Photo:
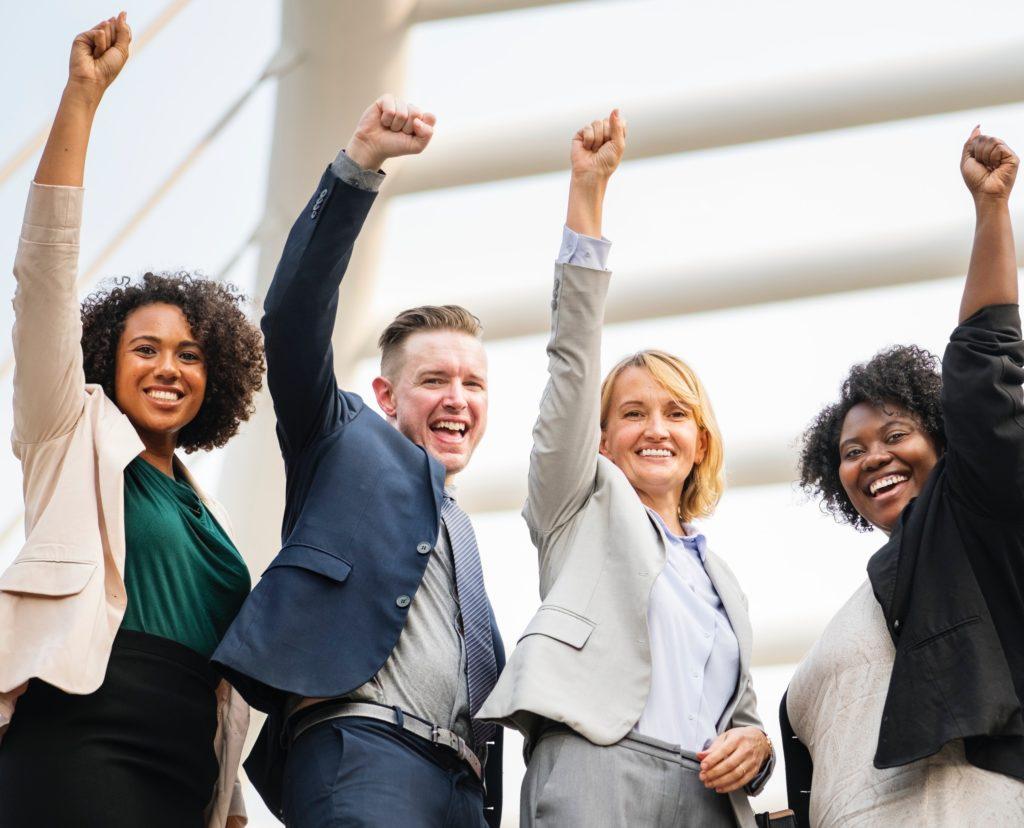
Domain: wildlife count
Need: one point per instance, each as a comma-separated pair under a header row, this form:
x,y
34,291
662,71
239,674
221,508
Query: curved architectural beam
x,y
427,11
696,287
758,111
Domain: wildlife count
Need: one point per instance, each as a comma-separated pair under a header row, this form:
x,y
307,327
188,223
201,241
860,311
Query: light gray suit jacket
x,y
585,660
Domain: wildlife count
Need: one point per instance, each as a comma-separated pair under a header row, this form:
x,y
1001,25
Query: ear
x,y
384,391
702,446
603,447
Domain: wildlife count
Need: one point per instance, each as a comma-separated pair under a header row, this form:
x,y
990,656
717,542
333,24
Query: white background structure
x,y
790,203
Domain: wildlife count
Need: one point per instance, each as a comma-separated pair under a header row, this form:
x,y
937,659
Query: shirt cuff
x,y
582,250
352,174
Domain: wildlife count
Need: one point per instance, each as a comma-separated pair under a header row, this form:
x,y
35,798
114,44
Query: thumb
x,y
969,146
422,129
618,125
123,34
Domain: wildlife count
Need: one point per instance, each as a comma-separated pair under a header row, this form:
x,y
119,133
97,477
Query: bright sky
x,y
768,368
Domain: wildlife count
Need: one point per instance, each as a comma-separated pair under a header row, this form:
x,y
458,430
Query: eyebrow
x,y
185,343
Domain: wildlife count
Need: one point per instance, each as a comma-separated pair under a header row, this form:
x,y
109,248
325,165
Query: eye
x,y
145,350
633,415
189,356
679,414
895,436
433,381
853,453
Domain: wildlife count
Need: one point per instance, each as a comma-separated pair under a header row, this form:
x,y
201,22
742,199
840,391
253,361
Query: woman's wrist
x,y
586,200
83,95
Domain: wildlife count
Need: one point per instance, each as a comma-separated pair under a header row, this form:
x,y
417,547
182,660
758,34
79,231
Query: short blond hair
x,y
706,481
424,318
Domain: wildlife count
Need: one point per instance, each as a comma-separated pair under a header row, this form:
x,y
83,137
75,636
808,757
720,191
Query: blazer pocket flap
x,y
314,560
560,624
42,577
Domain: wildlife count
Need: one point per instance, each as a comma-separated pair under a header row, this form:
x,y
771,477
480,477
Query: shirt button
x,y
423,547
696,674
896,624
690,717
707,635
403,601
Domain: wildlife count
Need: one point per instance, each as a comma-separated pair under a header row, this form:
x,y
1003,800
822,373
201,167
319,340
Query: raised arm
x,y
567,433
983,367
48,379
989,168
302,303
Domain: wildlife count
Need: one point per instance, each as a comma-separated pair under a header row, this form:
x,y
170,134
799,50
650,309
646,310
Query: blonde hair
x,y
706,481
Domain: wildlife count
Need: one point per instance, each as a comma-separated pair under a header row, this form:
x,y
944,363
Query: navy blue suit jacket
x,y
360,497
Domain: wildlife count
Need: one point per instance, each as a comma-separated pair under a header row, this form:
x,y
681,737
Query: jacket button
x,y
896,624
403,601
423,547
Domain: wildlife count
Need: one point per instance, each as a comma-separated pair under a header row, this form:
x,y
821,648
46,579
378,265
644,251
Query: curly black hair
x,y
231,344
905,377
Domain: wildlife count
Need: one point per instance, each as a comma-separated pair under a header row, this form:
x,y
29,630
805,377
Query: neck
x,y
159,454
666,504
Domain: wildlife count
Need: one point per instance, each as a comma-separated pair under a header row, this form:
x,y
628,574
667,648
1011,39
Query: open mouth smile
x,y
887,485
450,431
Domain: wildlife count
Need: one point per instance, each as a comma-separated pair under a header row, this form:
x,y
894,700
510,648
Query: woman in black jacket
x,y
908,708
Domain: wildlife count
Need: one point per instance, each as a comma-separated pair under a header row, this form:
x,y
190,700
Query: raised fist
x,y
388,128
597,148
989,167
98,55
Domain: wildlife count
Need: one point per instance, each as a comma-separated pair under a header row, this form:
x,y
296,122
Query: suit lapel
x,y
735,607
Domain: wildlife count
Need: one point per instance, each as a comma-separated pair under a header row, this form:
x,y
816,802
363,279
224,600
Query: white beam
x,y
695,287
427,11
758,111
497,487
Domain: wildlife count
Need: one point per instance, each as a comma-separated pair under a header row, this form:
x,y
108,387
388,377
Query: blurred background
x,y
790,203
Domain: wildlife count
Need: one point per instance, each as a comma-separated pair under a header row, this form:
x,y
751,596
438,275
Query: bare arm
x,y
989,168
97,56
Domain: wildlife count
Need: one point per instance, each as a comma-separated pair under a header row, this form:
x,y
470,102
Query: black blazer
x,y
950,580
360,498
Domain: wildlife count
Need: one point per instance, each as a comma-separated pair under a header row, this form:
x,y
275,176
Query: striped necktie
x,y
481,667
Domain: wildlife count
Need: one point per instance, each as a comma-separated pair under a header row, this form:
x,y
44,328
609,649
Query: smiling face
x,y
437,394
884,459
160,373
651,436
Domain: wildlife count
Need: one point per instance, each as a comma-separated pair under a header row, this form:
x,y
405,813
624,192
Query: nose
x,y
455,399
167,366
657,427
877,457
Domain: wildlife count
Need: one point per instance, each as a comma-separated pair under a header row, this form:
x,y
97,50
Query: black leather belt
x,y
303,720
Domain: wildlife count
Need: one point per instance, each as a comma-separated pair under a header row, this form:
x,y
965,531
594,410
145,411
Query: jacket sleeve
x,y
301,307
566,437
799,769
745,715
983,408
49,382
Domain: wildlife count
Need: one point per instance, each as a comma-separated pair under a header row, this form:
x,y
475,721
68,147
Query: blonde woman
x,y
632,682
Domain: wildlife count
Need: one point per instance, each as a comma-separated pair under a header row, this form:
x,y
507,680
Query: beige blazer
x,y
63,597
585,660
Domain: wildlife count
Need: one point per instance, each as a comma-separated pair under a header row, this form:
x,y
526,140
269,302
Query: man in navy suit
x,y
370,641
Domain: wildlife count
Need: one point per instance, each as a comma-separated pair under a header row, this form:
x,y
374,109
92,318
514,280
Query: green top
x,y
184,577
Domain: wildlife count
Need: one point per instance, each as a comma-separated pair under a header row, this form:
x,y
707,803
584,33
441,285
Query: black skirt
x,y
137,752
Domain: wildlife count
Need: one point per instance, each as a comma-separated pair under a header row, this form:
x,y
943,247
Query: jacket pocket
x,y
314,560
41,576
561,625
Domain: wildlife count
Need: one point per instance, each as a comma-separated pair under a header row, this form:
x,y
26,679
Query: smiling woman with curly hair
x,y
110,713
231,345
907,710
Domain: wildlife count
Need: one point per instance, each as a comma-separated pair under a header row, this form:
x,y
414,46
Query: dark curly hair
x,y
231,344
903,376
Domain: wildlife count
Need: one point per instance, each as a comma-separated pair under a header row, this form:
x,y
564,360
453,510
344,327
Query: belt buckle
x,y
447,740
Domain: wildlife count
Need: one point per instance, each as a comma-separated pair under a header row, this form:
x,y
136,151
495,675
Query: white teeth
x,y
451,425
170,396
891,480
655,453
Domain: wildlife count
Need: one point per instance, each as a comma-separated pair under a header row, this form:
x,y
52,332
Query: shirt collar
x,y
692,540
